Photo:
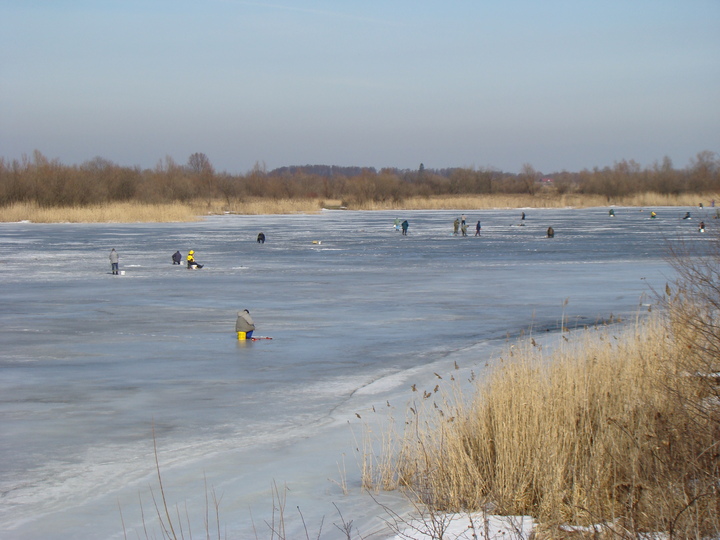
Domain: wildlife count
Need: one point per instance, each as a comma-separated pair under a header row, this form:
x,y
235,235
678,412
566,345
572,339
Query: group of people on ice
x,y
190,259
176,257
701,225
460,224
402,226
244,325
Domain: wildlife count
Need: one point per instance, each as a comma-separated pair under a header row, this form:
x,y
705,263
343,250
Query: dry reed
x,y
540,200
130,212
612,431
106,213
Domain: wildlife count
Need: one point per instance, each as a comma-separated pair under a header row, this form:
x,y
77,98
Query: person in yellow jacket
x,y
191,264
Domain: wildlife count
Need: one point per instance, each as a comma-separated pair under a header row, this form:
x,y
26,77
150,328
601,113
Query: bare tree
x,y
529,178
199,163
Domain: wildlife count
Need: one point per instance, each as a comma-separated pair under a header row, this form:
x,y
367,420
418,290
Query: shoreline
x,y
183,212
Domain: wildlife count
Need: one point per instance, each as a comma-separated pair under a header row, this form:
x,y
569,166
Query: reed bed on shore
x,y
482,202
616,429
130,212
542,200
102,213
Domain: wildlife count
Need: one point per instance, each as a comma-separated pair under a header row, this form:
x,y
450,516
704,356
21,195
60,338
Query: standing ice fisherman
x,y
405,226
261,238
478,227
114,262
244,325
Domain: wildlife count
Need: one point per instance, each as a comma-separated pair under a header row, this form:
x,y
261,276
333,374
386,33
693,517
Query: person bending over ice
x,y
244,324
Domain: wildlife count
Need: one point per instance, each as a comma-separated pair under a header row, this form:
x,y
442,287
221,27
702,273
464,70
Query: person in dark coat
x,y
551,232
261,238
176,257
405,226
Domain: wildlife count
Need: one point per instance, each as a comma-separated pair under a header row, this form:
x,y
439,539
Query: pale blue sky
x,y
561,85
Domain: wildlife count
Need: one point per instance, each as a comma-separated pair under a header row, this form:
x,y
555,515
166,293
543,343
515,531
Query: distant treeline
x,y
50,183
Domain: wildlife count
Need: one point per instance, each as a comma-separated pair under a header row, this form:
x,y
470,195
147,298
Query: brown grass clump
x,y
615,430
133,212
101,213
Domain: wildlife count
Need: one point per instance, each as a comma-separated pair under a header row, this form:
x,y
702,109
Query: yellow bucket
x,y
242,335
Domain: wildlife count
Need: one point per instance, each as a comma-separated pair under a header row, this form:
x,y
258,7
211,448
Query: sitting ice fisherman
x,y
191,262
244,325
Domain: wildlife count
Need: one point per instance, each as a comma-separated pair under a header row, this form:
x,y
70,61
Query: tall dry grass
x,y
619,429
129,212
540,200
105,213
659,199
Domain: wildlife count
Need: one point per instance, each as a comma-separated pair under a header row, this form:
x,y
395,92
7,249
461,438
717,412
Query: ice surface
x,y
94,364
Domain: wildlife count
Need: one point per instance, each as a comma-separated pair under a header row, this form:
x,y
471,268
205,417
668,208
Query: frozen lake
x,y
92,363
